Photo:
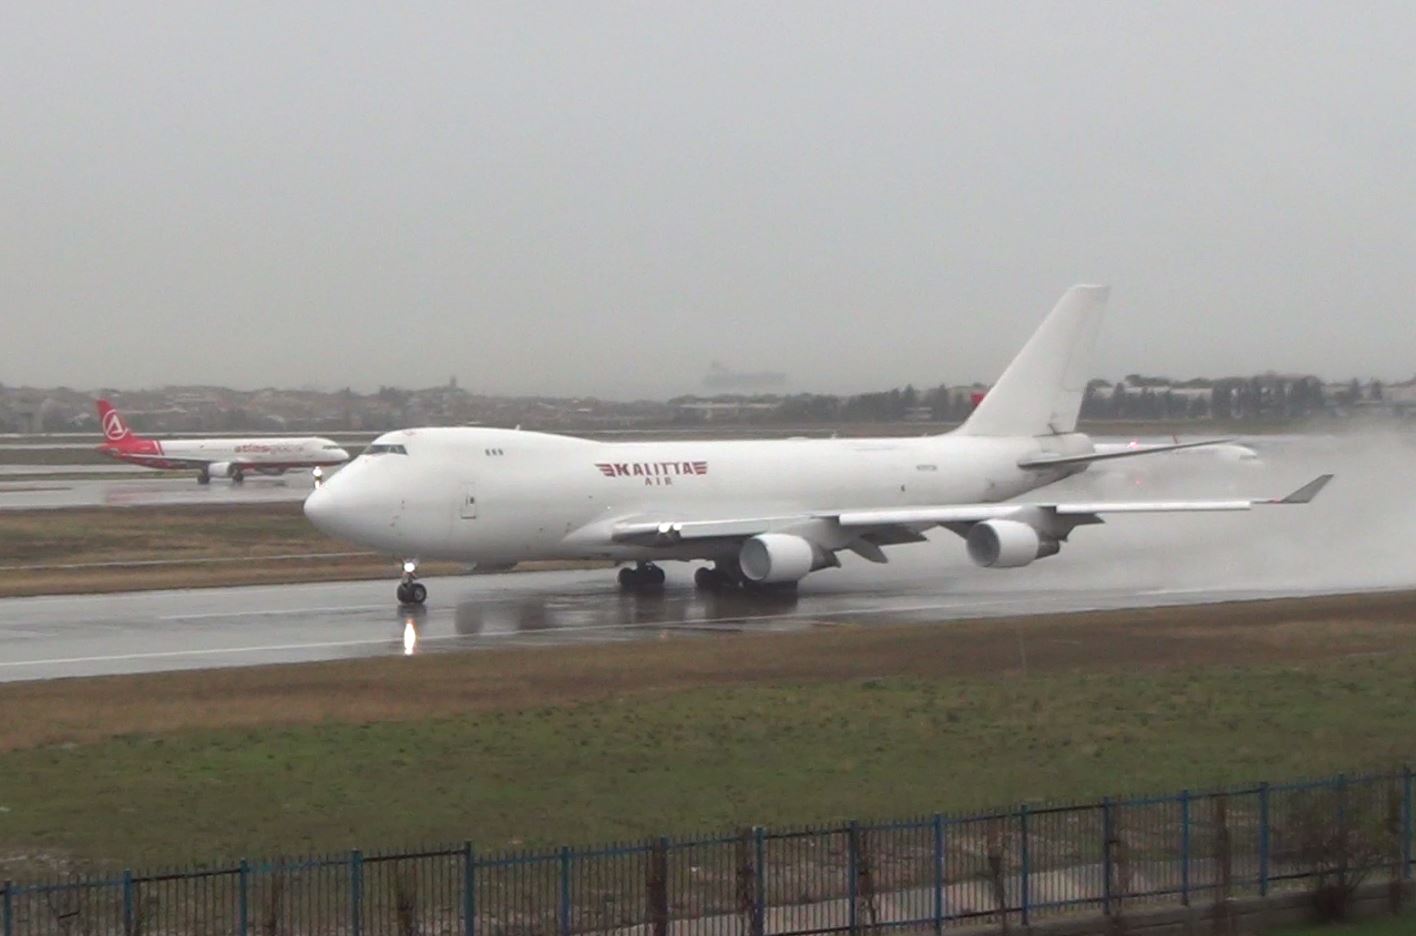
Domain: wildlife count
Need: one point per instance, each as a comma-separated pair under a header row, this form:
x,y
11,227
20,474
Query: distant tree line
x,y
1271,397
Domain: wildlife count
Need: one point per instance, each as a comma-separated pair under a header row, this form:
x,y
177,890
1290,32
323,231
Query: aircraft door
x,y
468,510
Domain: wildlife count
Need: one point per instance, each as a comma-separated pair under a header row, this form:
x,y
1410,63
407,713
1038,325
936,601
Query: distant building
x,y
717,410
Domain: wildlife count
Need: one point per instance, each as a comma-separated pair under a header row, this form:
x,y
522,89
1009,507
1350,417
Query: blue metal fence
x,y
1020,865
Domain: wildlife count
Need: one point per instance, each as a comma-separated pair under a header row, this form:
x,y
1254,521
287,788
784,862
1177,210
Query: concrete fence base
x,y
1227,918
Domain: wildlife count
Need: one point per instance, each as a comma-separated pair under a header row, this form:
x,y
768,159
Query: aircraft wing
x,y
166,459
904,524
967,514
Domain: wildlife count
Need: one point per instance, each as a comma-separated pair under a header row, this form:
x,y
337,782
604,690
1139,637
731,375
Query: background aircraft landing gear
x,y
237,476
410,590
646,576
203,478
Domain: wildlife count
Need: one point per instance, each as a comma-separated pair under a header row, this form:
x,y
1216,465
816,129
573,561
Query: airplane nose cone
x,y
320,508
341,454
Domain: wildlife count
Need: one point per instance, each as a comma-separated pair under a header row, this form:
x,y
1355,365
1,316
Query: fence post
x,y
565,870
1185,848
127,902
243,898
356,892
7,910
469,890
939,873
1263,839
852,877
759,885
1408,808
1106,856
658,889
1023,855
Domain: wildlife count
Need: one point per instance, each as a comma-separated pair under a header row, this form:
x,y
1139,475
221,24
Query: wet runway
x,y
56,493
49,637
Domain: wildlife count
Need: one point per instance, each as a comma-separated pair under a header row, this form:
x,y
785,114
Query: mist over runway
x,y
59,493
1356,536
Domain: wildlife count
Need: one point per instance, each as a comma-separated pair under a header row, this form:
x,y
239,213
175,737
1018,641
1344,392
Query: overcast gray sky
x,y
602,198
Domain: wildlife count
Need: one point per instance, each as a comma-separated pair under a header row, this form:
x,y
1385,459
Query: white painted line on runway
x,y
207,615
200,560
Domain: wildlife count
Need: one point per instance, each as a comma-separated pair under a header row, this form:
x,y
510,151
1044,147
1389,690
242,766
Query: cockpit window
x,y
382,449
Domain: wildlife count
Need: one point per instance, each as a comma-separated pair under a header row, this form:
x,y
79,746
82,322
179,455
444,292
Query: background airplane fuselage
x,y
492,495
257,455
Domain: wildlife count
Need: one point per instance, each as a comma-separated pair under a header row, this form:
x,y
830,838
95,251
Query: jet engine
x,y
1007,544
770,558
221,470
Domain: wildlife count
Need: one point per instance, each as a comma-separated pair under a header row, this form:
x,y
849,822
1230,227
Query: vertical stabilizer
x,y
115,430
1041,391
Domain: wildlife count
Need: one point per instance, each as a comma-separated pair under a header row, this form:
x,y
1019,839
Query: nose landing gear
x,y
410,590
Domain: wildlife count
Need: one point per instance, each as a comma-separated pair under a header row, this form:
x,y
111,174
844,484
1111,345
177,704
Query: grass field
x,y
577,744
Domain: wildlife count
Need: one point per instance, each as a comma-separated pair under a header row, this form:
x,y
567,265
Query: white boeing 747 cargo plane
x,y
764,512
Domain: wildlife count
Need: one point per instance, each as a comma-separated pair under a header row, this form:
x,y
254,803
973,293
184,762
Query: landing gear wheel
x,y
410,590
204,478
707,579
644,577
237,477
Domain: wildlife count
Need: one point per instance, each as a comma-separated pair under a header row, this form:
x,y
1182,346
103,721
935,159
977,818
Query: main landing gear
x,y
727,577
645,576
712,579
410,590
203,477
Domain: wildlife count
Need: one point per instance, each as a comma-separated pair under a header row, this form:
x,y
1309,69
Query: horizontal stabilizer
x,y
1051,461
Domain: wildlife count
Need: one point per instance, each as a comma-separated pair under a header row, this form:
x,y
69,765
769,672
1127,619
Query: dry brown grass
x,y
400,689
241,538
80,535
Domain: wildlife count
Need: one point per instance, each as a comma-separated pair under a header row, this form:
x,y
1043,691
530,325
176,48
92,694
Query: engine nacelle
x,y
221,470
778,557
1007,544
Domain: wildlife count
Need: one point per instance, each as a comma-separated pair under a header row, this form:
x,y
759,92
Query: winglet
x,y
1305,493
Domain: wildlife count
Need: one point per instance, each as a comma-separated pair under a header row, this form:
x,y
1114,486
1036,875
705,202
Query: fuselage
x,y
495,495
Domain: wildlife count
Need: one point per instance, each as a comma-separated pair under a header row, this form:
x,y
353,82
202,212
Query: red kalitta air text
x,y
652,473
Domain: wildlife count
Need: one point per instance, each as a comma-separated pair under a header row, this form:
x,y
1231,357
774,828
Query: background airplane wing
x,y
163,460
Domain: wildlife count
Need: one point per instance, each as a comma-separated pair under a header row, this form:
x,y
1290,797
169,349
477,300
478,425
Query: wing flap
x,y
667,532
